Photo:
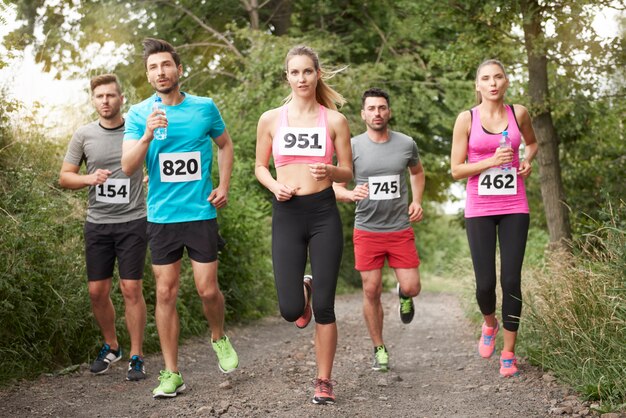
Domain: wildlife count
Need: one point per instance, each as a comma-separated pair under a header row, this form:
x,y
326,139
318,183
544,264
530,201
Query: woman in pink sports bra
x,y
302,135
496,207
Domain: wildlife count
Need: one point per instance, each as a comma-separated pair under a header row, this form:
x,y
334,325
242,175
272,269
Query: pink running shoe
x,y
324,393
487,342
304,320
508,364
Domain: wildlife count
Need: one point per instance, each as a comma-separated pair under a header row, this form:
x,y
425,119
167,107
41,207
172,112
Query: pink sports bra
x,y
281,160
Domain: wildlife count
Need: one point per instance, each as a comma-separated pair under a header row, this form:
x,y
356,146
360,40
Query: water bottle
x,y
159,133
505,142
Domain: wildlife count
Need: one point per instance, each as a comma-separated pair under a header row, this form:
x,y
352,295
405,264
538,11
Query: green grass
x,y
575,314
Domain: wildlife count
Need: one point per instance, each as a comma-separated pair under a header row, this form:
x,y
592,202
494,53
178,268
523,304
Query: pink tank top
x,y
281,160
481,145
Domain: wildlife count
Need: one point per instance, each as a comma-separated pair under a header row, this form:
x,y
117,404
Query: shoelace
x,y
221,345
507,363
405,305
324,386
136,363
165,374
487,339
104,351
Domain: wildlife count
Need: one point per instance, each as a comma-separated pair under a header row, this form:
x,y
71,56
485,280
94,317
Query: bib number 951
x,y
497,182
302,141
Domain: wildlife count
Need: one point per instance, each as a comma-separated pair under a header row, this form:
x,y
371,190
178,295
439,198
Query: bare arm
x,y
342,172
225,158
70,179
528,133
262,162
460,137
417,178
134,151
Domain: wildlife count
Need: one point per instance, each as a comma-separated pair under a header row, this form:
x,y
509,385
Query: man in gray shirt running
x,y
383,216
116,224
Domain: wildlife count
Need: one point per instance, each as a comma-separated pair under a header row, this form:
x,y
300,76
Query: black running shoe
x,y
105,358
136,369
407,309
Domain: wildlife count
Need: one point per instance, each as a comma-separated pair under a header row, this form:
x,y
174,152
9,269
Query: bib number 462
x,y
497,181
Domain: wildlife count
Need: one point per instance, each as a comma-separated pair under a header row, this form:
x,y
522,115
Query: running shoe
x,y
136,369
487,342
324,392
304,320
171,385
226,355
106,357
381,359
508,364
407,309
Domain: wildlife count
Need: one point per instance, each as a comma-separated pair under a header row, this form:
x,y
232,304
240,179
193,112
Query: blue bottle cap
x,y
505,133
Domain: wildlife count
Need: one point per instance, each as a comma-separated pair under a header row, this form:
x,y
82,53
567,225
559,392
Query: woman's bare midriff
x,y
298,176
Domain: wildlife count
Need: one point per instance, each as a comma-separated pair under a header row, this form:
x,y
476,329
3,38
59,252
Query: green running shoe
x,y
171,385
226,354
381,359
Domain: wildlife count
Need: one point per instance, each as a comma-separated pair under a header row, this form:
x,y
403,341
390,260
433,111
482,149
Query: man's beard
x,y
168,90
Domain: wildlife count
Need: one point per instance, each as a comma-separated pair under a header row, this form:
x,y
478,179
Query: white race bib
x,y
113,191
302,141
177,167
496,181
384,187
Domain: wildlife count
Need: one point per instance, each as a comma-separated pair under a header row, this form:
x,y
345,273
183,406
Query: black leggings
x,y
301,225
512,231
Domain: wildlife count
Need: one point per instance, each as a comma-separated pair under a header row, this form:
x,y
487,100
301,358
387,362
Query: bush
x,y
576,320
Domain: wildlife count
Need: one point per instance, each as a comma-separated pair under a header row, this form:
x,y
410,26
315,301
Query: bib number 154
x,y
497,181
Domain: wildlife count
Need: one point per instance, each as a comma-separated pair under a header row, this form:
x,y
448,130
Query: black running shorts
x,y
126,241
168,241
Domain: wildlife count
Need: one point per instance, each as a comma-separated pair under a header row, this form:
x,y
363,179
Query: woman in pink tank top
x,y
496,208
303,135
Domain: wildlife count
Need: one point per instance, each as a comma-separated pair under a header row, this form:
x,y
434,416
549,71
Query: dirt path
x,y
435,373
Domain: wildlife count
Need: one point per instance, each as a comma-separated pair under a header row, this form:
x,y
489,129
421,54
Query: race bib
x,y
384,187
302,141
496,181
113,191
178,167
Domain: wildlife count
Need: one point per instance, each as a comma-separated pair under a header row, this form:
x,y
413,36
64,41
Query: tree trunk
x,y
552,192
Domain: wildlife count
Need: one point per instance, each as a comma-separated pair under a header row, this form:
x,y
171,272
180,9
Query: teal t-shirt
x,y
179,167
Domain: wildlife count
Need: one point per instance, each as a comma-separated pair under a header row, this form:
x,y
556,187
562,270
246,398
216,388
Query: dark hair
x,y
324,94
154,46
479,98
102,79
375,92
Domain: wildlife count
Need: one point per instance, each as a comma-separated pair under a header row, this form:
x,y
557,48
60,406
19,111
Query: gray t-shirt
x,y
384,167
121,198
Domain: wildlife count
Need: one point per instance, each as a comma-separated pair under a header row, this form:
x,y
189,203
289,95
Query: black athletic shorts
x,y
126,241
168,241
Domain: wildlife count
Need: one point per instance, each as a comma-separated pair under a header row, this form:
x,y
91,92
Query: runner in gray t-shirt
x,y
382,227
116,223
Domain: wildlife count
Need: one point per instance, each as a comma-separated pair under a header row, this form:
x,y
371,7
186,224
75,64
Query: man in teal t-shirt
x,y
182,201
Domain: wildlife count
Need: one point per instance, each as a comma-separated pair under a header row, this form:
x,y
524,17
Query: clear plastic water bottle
x,y
505,142
159,133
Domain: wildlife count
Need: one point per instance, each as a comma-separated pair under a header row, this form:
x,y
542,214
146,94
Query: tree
x,y
548,156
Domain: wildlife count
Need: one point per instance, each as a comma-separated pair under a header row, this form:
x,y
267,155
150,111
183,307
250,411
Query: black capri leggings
x,y
301,225
512,232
